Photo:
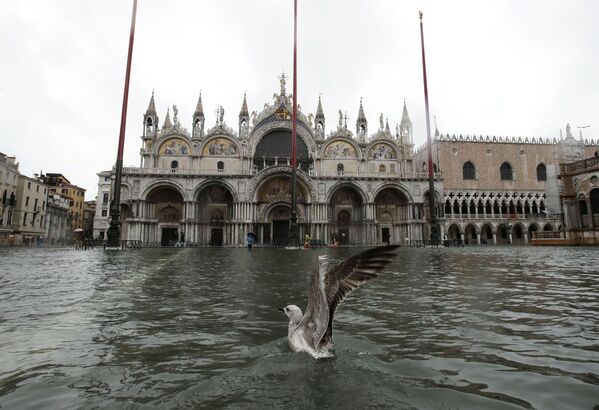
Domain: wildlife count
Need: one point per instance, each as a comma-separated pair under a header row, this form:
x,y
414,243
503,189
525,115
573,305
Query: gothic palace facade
x,y
215,185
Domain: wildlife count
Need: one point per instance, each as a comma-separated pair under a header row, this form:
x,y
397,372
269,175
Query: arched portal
x,y
518,234
486,234
470,237
214,211
275,192
275,149
453,232
392,212
279,217
346,210
166,206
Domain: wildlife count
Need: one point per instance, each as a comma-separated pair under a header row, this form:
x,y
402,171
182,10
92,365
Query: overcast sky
x,y
512,68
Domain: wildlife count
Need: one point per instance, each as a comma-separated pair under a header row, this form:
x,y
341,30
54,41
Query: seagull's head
x,y
293,312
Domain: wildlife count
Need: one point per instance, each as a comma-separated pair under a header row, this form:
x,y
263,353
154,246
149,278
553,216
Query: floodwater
x,y
460,328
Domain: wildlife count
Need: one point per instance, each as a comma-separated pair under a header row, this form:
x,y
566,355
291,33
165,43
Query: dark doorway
x,y
216,237
386,235
344,236
280,232
169,236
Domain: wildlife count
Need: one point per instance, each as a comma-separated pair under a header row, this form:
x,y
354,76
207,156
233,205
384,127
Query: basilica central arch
x,y
165,209
272,200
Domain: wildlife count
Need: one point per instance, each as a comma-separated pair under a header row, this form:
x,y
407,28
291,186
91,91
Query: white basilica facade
x,y
215,185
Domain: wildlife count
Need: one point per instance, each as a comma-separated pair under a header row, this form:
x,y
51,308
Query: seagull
x,y
313,332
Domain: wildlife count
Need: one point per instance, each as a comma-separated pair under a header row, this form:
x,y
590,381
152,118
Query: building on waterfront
x,y
580,199
30,210
59,183
215,184
9,172
501,190
89,212
58,219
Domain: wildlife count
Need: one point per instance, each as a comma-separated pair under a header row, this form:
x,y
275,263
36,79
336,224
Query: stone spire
x,y
151,106
361,124
150,119
244,108
405,126
199,112
387,129
167,121
244,119
319,121
198,119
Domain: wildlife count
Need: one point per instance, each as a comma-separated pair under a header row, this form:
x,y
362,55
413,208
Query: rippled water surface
x,y
477,328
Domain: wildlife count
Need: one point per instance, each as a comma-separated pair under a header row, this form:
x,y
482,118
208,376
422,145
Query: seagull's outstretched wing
x,y
329,289
349,275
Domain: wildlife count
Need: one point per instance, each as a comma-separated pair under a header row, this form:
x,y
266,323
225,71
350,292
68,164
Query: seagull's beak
x,y
281,310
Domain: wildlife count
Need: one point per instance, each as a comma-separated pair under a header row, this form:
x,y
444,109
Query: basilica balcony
x,y
417,176
180,171
580,167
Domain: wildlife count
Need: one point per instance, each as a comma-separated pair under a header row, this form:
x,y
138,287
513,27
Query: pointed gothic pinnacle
x,y
387,130
405,118
244,107
199,112
319,112
361,115
151,106
167,120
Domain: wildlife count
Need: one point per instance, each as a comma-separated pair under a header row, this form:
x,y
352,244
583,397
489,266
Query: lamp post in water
x,y
114,231
293,228
434,225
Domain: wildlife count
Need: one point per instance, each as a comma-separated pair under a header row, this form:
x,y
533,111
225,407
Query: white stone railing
x,y
313,173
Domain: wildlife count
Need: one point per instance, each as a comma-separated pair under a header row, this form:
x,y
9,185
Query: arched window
x,y
594,201
174,165
541,172
4,198
220,166
506,172
382,168
339,169
468,170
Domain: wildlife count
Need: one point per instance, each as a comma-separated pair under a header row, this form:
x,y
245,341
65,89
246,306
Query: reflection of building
x,y
216,185
59,183
9,172
30,210
501,190
57,218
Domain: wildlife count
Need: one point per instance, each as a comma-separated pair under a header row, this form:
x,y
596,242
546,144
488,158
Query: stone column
x,y
494,238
